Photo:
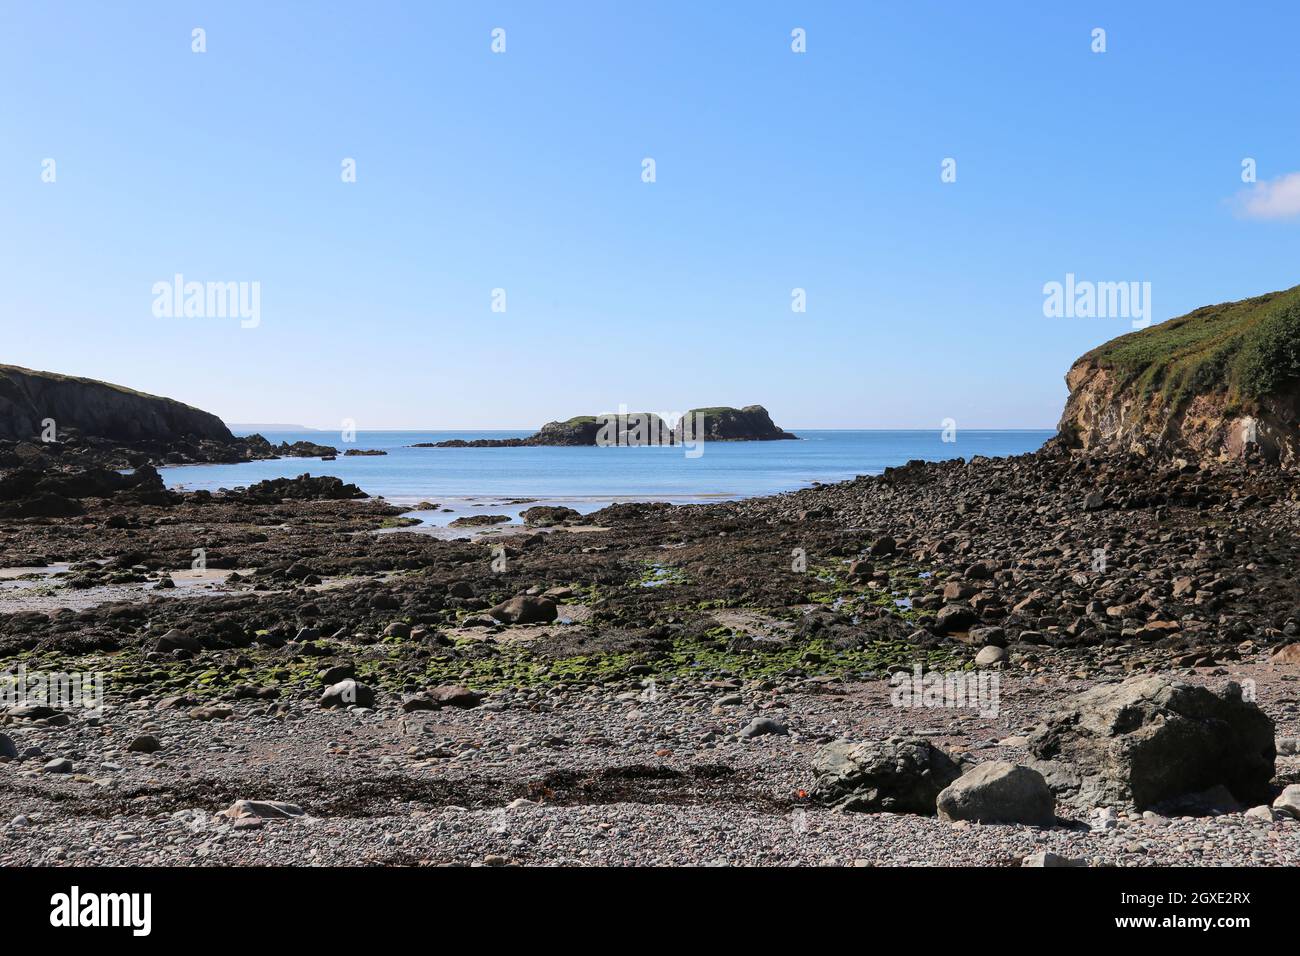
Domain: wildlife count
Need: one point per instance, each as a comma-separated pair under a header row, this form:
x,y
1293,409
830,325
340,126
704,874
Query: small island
x,y
719,423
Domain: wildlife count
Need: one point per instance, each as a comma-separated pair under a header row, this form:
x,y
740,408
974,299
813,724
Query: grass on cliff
x,y
1247,349
7,371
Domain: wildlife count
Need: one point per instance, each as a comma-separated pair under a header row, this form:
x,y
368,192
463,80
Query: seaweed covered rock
x,y
302,488
546,516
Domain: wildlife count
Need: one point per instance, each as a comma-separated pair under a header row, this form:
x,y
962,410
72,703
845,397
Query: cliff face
x,y
96,410
1220,382
751,423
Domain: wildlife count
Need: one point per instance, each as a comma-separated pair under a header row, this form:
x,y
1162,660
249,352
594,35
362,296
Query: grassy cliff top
x,y
728,410
7,370
1247,349
716,410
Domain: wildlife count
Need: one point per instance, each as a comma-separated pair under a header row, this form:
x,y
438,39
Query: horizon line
x,y
284,426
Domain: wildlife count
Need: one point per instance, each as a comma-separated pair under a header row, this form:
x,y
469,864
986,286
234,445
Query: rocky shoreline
x,y
652,683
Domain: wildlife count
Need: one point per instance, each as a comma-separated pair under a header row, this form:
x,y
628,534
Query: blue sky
x,y
522,171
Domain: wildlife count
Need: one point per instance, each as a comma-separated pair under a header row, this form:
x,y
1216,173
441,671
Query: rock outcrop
x,y
302,488
51,422
577,431
1220,382
549,516
57,493
751,423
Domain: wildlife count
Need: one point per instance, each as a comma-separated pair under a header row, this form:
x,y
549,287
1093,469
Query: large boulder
x,y
1286,655
954,617
446,695
898,775
347,692
1149,740
546,516
999,792
525,609
1288,802
177,640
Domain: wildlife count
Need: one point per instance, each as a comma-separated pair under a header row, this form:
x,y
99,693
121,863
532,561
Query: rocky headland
x,y
52,423
29,399
1220,382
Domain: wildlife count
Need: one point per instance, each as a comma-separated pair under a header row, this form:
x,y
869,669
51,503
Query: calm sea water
x,y
469,480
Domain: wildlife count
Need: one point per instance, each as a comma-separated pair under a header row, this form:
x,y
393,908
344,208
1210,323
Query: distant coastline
x,y
250,428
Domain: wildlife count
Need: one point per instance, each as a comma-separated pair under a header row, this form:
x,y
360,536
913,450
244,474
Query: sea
x,y
506,481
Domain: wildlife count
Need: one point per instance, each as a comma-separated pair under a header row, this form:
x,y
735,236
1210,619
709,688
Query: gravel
x,y
590,777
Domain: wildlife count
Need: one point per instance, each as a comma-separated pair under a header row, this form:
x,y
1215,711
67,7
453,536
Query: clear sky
x,y
522,171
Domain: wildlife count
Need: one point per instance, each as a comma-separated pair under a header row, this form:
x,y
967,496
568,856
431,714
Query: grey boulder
x,y
898,775
144,744
761,727
999,792
1150,740
176,639
546,516
347,692
525,609
447,695
1289,801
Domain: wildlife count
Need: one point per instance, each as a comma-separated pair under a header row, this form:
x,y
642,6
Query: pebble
x,y
762,726
144,744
